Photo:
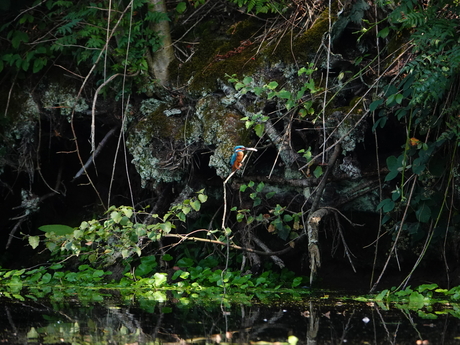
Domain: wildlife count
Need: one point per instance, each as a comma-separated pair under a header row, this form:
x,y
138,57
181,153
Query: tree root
x,y
315,217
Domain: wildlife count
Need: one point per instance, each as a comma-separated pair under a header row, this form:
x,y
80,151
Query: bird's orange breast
x,y
237,164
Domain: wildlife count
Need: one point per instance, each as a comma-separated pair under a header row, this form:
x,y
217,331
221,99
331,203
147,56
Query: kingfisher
x,y
237,157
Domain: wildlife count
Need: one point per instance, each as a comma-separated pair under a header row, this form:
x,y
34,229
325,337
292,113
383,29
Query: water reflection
x,y
171,323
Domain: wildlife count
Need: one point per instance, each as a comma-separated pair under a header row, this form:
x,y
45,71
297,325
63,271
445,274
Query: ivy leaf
x,y
259,129
34,241
196,205
116,216
202,197
284,94
272,85
318,171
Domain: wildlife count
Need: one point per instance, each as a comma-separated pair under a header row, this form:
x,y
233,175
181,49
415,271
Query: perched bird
x,y
237,157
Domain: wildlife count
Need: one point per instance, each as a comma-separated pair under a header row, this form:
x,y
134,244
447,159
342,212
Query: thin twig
x,y
95,153
396,238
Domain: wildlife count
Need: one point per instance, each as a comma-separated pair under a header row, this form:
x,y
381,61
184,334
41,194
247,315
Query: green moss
x,y
305,45
222,128
214,57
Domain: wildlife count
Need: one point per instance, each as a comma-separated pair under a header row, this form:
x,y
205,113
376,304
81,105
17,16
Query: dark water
x,y
318,321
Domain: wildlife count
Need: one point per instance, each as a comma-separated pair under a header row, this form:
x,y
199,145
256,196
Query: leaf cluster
x,y
429,153
422,299
77,33
262,6
118,236
276,219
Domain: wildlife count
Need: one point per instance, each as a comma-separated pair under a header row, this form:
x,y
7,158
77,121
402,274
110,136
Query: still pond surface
x,y
322,320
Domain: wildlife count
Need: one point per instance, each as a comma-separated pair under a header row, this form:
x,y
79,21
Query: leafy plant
x,y
118,235
298,100
78,32
262,6
428,156
277,220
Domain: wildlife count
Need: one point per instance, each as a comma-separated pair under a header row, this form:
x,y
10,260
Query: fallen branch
x,y
315,217
94,154
234,246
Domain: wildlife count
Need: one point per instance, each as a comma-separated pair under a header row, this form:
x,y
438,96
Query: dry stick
x,y
95,153
447,233
430,235
122,136
81,90
234,246
9,94
275,258
397,237
107,39
379,231
326,84
312,235
225,194
93,111
345,245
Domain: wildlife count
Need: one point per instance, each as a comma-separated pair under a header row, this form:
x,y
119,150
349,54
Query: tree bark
x,y
161,58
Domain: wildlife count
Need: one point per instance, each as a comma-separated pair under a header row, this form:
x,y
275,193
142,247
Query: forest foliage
x,y
422,97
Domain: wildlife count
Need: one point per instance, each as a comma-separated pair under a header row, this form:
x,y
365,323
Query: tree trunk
x,y
161,58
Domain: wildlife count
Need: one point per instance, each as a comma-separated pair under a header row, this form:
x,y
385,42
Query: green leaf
x,y
196,205
259,129
181,7
390,100
391,175
387,205
318,171
270,195
39,63
423,213
166,227
384,32
260,187
374,105
160,279
202,197
116,216
34,241
296,282
272,85
287,218
19,37
58,229
284,94
128,211
247,80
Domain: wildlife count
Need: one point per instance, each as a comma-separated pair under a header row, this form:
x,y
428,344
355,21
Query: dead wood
x,y
315,216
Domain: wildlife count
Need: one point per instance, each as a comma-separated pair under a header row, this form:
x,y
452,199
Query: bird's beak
x,y
250,149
